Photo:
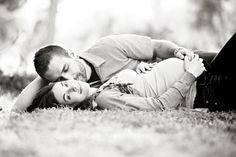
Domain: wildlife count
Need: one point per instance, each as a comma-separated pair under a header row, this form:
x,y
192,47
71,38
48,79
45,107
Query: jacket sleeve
x,y
114,99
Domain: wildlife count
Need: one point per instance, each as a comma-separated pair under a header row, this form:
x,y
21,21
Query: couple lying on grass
x,y
187,81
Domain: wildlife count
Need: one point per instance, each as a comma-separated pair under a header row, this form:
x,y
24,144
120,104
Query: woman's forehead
x,y
59,91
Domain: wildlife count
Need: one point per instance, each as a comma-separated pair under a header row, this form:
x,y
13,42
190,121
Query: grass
x,y
67,133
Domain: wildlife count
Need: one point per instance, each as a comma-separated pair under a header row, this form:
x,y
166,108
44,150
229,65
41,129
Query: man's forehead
x,y
54,70
57,57
55,62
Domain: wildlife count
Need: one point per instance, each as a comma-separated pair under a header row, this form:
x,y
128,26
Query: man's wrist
x,y
178,49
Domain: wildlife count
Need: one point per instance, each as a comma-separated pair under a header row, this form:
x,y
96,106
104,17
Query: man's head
x,y
53,63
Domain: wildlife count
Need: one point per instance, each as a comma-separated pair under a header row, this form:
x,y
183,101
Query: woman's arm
x,y
26,97
114,99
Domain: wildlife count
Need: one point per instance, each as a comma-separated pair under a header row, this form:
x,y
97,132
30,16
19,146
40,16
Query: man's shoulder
x,y
122,37
119,39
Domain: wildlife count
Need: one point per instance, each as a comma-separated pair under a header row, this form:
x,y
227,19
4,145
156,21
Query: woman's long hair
x,y
45,98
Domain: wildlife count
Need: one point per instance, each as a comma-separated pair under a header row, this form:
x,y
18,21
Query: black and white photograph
x,y
117,78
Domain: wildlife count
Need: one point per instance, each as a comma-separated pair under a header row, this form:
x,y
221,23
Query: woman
x,y
161,88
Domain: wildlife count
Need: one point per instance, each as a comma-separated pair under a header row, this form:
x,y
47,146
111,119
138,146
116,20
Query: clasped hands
x,y
193,64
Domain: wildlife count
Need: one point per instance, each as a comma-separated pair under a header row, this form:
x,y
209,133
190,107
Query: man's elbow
x,y
17,107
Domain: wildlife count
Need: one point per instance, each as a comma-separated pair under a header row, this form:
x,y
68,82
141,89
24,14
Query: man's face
x,y
65,68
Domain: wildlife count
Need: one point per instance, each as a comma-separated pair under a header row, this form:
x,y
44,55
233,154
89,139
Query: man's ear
x,y
70,53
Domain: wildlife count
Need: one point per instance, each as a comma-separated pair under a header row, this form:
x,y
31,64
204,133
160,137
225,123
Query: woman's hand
x,y
195,66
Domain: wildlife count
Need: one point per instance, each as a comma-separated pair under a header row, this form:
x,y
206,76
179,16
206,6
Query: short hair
x,y
44,55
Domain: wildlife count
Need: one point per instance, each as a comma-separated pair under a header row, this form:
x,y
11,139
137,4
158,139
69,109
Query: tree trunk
x,y
52,20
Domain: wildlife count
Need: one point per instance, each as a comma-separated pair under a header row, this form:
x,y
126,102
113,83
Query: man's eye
x,y
66,68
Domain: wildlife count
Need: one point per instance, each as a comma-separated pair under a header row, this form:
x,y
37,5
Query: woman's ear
x,y
55,105
73,105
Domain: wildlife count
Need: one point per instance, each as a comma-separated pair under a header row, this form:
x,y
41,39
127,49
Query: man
x,y
96,65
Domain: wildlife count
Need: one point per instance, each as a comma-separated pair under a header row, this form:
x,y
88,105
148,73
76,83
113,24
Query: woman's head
x,y
71,93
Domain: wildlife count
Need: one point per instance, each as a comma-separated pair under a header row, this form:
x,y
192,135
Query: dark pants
x,y
215,87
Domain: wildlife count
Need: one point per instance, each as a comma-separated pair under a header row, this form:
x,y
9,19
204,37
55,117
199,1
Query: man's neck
x,y
87,68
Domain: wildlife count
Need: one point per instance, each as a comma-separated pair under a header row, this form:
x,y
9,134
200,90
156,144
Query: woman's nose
x,y
73,89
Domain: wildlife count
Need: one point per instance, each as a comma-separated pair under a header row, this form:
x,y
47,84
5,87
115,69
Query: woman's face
x,y
71,91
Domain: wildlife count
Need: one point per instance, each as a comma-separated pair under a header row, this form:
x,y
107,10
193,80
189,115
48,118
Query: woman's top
x,y
164,87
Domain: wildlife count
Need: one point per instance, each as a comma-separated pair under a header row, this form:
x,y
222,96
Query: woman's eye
x,y
66,84
68,97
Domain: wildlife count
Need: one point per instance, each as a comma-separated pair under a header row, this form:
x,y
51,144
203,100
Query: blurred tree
x,y
42,33
207,10
8,30
21,35
216,17
12,5
52,20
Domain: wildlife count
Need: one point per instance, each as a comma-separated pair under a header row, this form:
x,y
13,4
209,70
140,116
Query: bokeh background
x,y
27,25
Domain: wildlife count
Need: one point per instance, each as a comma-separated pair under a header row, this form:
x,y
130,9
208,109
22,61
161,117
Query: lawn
x,y
67,133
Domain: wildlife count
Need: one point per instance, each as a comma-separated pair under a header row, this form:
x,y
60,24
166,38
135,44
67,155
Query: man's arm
x,y
28,94
165,49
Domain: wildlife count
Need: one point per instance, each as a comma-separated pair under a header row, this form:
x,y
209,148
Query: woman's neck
x,y
92,91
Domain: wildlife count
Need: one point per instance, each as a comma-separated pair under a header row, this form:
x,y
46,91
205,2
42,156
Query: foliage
x,y
217,17
9,28
14,84
12,5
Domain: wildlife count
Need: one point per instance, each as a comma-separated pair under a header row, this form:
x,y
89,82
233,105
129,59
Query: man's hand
x,y
143,67
182,52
